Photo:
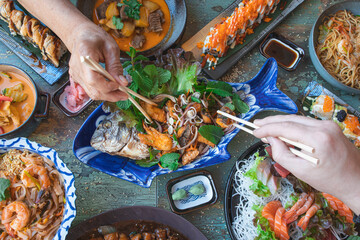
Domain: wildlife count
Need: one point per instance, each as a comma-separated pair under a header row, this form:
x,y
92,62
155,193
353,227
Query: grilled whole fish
x,y
114,137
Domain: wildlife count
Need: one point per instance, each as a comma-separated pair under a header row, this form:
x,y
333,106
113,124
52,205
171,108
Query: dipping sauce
x,y
14,115
283,53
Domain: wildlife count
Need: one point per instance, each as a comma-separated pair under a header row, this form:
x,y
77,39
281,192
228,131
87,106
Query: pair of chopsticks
x,y
293,143
95,66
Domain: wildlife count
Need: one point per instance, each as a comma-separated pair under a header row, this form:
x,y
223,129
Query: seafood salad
x,y
32,196
185,122
274,204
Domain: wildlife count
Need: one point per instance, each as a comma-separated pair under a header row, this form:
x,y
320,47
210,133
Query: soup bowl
x,y
41,103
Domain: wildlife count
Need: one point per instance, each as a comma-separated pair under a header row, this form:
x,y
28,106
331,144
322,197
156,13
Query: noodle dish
x,y
37,194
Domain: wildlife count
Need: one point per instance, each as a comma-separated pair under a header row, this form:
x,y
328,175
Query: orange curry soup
x,y
26,107
152,39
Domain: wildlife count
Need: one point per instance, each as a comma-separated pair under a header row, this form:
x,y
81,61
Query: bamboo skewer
x,y
293,143
293,150
98,68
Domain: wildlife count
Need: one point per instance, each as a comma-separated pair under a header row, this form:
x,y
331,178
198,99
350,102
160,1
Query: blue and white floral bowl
x,y
69,180
260,93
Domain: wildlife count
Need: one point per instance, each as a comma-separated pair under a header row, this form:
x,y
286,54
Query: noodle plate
x,y
35,202
339,47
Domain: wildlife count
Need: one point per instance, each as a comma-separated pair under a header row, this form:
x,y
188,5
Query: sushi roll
x,y
233,29
30,29
351,127
323,107
339,115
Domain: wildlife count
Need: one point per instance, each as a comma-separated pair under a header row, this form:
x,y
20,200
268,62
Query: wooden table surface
x,y
98,192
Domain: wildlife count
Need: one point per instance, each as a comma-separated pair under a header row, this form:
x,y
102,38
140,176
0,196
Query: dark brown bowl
x,y
144,213
42,103
178,15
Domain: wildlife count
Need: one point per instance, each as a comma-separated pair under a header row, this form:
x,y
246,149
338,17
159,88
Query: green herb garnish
x,y
4,189
211,133
118,23
132,8
170,161
239,104
222,89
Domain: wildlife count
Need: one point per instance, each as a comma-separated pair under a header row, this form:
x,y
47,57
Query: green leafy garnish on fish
x,y
4,189
170,161
152,159
16,93
124,105
211,133
222,89
257,187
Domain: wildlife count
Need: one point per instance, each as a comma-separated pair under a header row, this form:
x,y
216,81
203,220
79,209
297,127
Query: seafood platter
x,y
176,141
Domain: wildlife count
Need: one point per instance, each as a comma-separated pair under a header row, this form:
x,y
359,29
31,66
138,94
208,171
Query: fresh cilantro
x,y
239,104
211,133
222,89
117,22
170,161
132,8
195,99
4,189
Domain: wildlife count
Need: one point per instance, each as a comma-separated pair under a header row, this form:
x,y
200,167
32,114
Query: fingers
x,y
290,130
113,64
287,118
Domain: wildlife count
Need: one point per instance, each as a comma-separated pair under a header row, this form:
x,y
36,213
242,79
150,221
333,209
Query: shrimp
x,y
304,221
344,46
154,112
31,159
189,156
156,139
309,201
33,172
292,212
21,220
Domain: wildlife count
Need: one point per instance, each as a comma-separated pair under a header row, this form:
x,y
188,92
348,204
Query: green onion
x,y
36,182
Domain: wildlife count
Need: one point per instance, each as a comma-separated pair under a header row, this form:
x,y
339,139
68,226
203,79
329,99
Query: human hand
x,y
91,40
338,171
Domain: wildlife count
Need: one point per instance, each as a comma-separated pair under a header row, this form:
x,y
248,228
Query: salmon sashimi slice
x,y
304,221
278,221
309,201
292,212
339,206
269,212
284,230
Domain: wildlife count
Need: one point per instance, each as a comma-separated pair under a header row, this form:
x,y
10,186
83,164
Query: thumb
x,y
113,64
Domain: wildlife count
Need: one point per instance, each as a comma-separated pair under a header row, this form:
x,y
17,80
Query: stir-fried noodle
x,y
34,206
339,47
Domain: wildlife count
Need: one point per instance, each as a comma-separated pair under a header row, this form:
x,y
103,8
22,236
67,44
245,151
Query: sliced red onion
x,y
198,120
183,100
192,141
205,104
178,109
158,126
161,97
191,113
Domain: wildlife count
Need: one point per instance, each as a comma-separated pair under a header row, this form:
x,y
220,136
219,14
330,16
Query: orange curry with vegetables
x,y
145,27
17,101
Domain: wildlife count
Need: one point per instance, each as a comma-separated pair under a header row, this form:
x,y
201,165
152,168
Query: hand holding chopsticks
x,y
95,66
293,143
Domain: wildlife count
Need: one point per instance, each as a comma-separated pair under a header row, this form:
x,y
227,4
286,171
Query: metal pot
x,y
42,103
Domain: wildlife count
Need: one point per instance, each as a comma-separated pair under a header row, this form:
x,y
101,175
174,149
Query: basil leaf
x,y
141,79
222,89
132,52
126,64
147,162
211,133
239,104
141,58
117,22
159,76
124,105
4,189
170,161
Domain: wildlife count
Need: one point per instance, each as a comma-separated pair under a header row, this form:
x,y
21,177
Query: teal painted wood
x,y
98,192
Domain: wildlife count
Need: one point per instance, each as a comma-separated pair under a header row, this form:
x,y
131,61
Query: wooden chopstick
x,y
98,68
293,150
293,143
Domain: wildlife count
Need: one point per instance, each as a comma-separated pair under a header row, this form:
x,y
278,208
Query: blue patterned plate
x,y
70,210
260,93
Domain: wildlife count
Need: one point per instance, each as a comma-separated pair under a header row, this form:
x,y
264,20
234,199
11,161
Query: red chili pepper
x,y
5,98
